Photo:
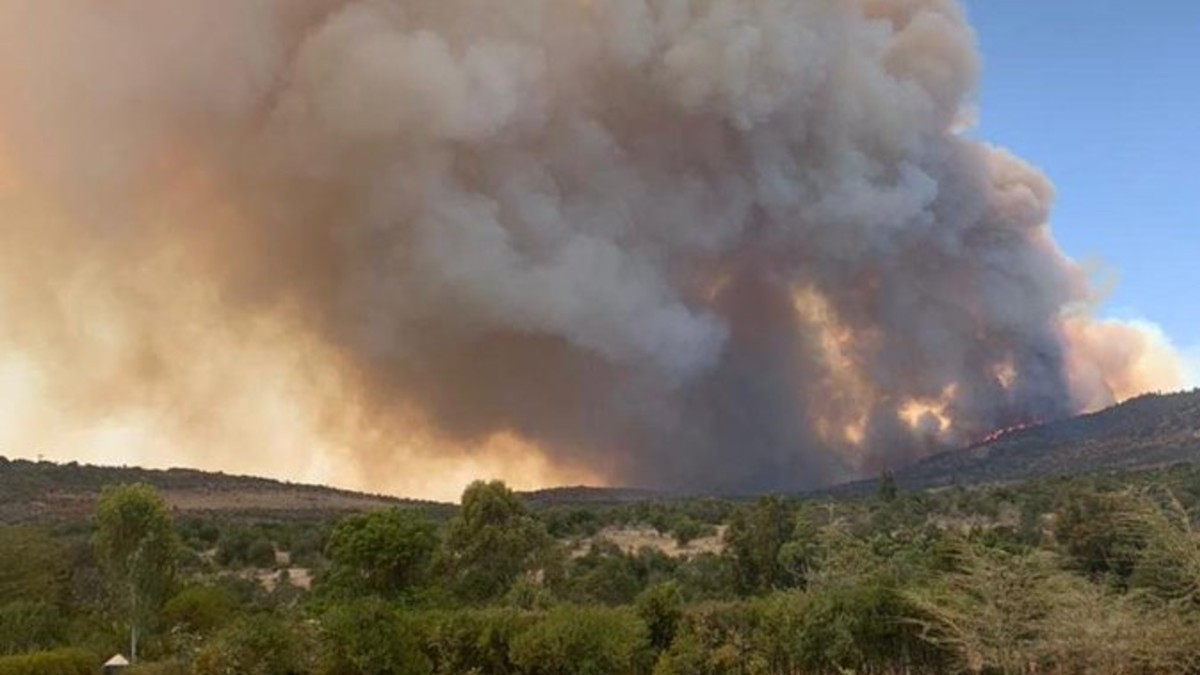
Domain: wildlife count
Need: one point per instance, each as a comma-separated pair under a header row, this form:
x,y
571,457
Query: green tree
x,y
661,609
261,553
755,537
136,542
33,566
582,641
30,626
491,541
233,547
257,645
799,557
370,638
1102,533
887,486
200,609
386,553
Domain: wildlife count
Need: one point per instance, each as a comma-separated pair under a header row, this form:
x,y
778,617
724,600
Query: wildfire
x,y
918,413
1001,433
843,418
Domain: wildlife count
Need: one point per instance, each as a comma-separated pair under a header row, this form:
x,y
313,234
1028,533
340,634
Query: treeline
x,y
1057,576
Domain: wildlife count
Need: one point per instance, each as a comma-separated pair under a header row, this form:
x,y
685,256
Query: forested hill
x,y
43,492
1144,433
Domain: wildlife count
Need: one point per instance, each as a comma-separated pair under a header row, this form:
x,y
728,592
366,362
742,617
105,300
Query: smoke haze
x,y
702,244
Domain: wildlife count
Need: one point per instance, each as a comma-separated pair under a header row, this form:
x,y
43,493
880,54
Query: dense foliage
x,y
1084,575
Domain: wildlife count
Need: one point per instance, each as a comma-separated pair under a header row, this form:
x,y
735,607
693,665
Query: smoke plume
x,y
705,244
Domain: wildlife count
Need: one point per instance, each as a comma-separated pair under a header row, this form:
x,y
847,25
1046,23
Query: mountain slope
x,y
41,492
1144,433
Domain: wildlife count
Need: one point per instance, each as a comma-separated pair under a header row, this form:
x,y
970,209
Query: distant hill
x,y
45,492
590,496
1148,432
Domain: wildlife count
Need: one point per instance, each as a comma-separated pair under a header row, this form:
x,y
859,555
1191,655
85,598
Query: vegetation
x,y
1081,575
136,543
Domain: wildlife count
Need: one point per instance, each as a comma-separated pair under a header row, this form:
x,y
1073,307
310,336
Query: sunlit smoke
x,y
398,245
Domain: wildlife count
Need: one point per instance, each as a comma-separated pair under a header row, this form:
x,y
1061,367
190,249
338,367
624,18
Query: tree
x,y
369,637
800,555
258,645
582,641
755,538
30,626
386,553
200,609
887,486
261,553
491,541
1101,534
136,543
32,566
661,609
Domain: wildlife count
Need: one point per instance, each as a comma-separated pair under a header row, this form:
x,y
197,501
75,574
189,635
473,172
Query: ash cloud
x,y
721,245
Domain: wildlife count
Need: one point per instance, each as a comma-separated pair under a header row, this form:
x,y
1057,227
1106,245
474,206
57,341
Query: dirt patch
x,y
300,577
631,539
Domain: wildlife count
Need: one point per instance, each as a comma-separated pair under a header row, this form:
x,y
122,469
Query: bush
x,y
30,626
200,609
467,641
59,662
1094,529
661,609
158,668
582,641
32,566
370,638
259,645
233,547
861,628
261,553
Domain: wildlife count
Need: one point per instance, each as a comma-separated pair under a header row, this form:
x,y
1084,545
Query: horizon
x,y
453,498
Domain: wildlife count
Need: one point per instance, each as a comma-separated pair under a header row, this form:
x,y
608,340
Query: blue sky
x,y
1104,96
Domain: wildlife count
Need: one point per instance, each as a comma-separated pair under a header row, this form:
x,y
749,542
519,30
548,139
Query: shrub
x,y
158,668
661,609
370,638
468,641
259,645
58,662
30,626
261,553
582,641
200,609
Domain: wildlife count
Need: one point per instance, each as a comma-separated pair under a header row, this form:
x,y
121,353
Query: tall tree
x,y
755,538
491,541
136,542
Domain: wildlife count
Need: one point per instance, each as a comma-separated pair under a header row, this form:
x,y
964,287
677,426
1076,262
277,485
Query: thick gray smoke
x,y
720,244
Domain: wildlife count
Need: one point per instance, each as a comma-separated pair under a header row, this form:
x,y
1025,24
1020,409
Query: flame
x,y
840,419
918,413
1001,433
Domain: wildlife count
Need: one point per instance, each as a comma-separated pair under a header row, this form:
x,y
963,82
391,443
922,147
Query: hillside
x,y
44,492
590,496
1144,433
